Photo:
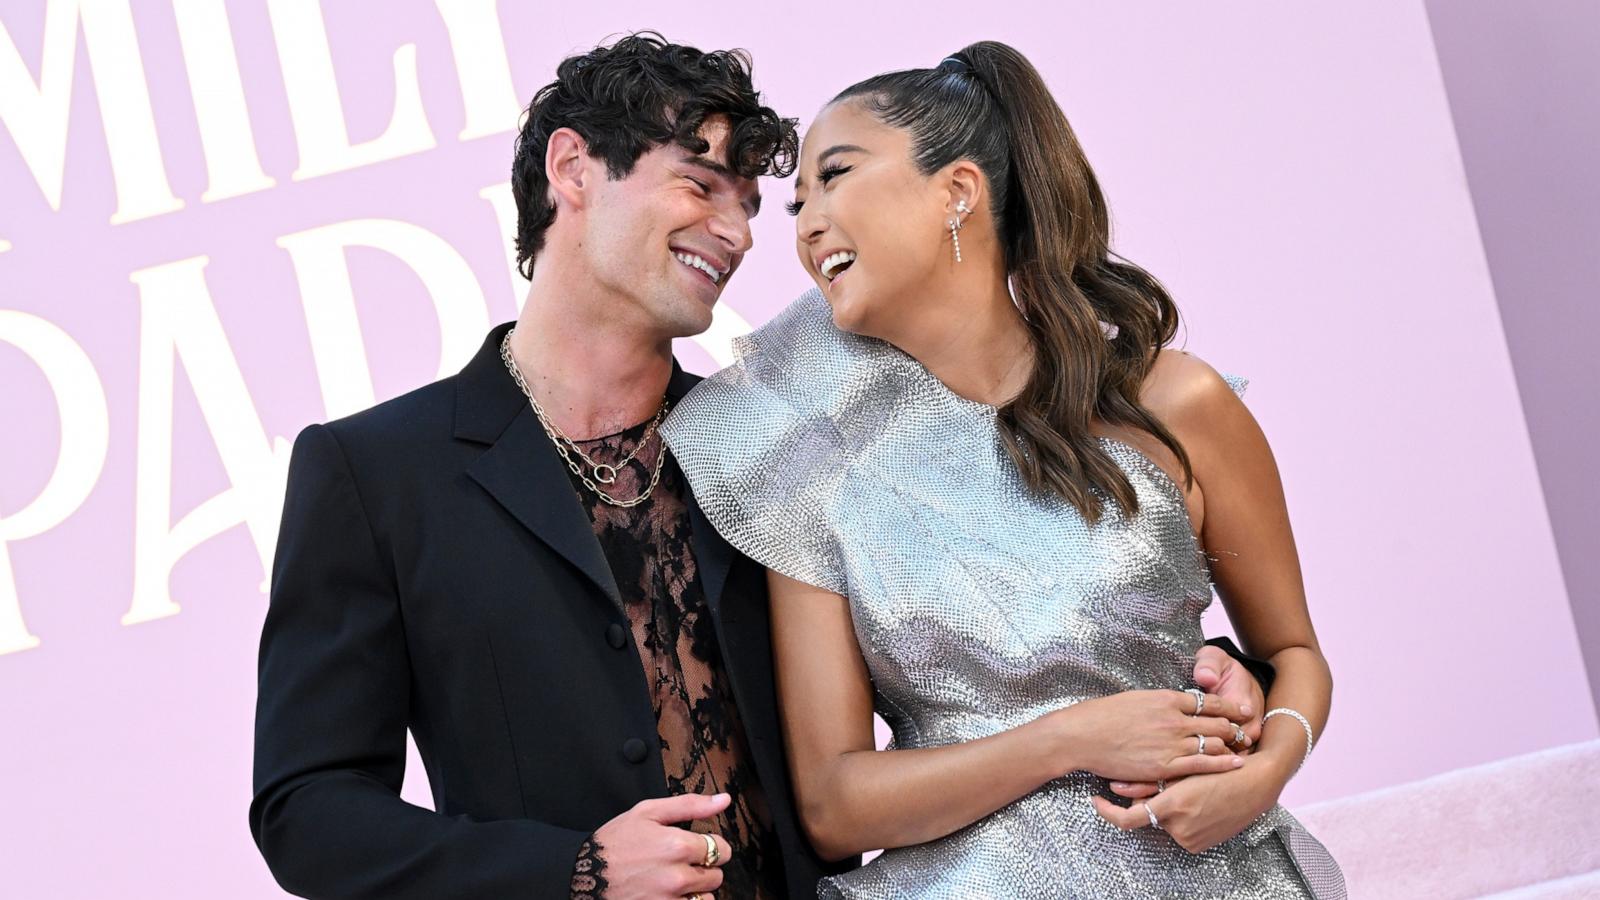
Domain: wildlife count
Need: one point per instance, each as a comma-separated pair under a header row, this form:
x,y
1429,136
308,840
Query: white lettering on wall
x,y
726,324
314,104
337,347
505,218
85,435
36,114
178,321
479,47
219,105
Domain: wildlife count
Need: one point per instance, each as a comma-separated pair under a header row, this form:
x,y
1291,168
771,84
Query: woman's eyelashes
x,y
824,176
829,173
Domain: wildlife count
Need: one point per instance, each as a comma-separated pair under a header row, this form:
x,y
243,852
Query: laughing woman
x,y
987,498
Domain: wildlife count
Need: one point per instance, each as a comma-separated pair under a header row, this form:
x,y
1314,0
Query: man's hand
x,y
1218,673
648,858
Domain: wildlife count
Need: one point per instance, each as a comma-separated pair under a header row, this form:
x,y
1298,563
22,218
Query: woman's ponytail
x,y
1096,320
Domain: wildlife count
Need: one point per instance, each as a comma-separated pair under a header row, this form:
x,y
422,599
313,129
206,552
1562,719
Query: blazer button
x,y
616,637
633,750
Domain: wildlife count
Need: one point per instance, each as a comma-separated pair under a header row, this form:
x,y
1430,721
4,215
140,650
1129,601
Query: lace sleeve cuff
x,y
588,880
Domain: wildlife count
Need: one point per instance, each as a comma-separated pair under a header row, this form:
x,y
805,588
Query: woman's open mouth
x,y
835,264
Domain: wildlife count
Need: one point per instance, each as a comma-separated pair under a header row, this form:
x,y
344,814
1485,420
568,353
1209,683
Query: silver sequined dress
x,y
840,461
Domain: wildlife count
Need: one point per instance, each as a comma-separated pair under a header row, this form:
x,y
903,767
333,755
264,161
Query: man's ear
x,y
567,166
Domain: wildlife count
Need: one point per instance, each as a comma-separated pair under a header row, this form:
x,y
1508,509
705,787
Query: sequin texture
x,y
978,605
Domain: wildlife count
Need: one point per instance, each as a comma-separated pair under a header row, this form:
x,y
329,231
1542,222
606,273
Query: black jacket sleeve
x,y
331,716
1260,668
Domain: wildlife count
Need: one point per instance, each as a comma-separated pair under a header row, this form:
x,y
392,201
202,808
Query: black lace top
x,y
703,744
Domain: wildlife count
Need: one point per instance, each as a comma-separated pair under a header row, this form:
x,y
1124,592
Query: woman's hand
x,y
1218,672
1202,811
1147,736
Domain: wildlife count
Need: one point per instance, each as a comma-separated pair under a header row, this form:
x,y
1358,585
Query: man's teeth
x,y
833,262
690,259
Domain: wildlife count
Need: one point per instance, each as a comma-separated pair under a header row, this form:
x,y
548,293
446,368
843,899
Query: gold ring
x,y
712,853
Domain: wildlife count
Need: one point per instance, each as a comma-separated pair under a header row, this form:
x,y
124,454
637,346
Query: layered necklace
x,y
568,448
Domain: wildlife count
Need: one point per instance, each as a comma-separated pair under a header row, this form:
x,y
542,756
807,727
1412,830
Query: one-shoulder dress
x,y
979,605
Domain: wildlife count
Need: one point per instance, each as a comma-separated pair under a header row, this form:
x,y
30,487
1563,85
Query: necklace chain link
x,y
566,446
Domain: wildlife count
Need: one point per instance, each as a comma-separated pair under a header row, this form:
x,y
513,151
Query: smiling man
x,y
509,563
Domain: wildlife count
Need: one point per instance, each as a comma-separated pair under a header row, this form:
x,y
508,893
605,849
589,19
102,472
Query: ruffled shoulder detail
x,y
808,362
762,448
766,442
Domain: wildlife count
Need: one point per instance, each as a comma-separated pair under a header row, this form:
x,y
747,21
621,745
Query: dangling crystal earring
x,y
955,226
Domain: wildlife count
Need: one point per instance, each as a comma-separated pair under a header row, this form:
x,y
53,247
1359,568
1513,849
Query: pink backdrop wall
x,y
1524,86
1292,174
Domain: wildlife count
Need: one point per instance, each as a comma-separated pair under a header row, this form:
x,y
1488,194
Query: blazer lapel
x,y
523,472
521,468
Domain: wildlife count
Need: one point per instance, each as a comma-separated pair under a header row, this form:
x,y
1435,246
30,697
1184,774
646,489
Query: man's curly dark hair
x,y
632,96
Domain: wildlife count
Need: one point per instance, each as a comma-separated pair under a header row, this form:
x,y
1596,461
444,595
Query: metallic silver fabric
x,y
979,606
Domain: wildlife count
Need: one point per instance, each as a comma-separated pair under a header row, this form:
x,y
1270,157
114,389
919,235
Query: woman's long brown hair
x,y
1095,319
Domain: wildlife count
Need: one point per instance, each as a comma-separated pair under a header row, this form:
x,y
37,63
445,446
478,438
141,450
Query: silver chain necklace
x,y
566,446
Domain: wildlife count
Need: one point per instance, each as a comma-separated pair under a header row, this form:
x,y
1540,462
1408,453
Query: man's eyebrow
x,y
711,165
716,168
835,150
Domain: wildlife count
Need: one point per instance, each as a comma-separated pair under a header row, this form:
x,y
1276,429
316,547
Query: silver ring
x,y
1160,786
1202,749
1151,814
1199,699
1238,735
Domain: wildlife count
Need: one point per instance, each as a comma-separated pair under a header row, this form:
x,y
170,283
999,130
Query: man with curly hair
x,y
508,562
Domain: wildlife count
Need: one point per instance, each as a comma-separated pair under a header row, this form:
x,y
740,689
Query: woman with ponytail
x,y
993,509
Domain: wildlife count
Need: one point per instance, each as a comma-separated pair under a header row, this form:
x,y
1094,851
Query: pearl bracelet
x,y
1286,711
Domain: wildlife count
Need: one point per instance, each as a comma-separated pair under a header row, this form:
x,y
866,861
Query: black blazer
x,y
435,571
